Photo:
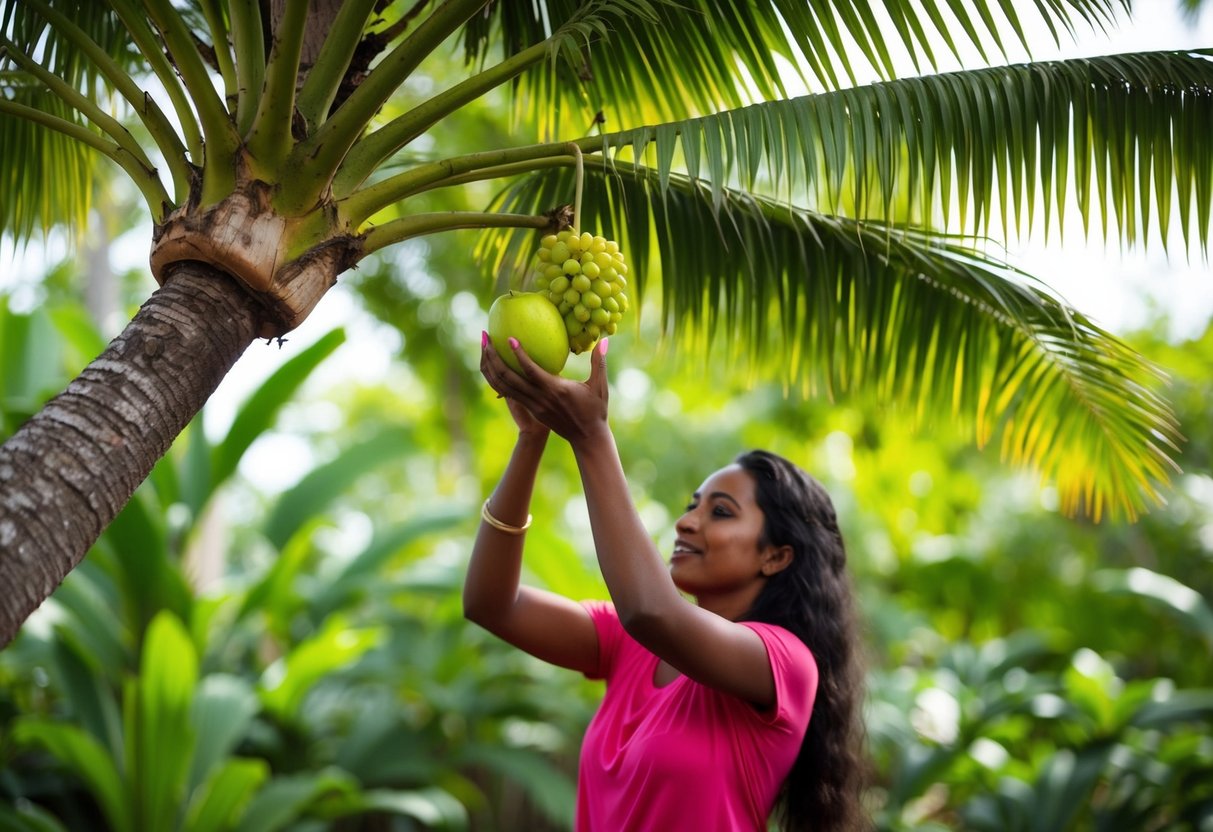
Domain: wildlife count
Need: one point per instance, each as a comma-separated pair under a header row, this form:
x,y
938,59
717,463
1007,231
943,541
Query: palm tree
x,y
275,146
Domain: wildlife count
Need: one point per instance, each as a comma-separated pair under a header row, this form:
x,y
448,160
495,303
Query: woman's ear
x,y
776,559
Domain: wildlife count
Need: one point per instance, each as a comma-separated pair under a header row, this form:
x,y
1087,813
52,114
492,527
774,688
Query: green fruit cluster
x,y
585,277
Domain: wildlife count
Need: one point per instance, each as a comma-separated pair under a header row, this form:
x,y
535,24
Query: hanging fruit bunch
x,y
584,276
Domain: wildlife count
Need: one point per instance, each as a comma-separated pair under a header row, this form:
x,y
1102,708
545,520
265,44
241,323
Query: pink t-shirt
x,y
686,756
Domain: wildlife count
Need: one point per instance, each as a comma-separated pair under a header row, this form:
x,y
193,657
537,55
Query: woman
x,y
706,720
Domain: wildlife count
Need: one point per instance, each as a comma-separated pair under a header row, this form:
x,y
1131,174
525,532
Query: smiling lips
x,y
682,548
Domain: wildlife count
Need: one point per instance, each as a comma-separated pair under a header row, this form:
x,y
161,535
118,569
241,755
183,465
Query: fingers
x,y
504,380
494,369
598,369
530,370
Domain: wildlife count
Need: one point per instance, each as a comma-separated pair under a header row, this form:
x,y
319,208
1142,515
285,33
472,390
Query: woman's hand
x,y
523,418
575,410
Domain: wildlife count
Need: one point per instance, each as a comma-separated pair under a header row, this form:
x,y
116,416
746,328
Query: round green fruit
x,y
536,323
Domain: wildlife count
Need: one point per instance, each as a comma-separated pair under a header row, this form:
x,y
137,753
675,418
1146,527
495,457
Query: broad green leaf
x,y
160,736
553,792
276,594
322,485
75,327
218,803
223,709
925,321
151,580
1065,786
29,818
84,756
92,697
286,798
433,807
1093,686
1183,603
30,358
258,413
356,574
90,626
1183,706
286,682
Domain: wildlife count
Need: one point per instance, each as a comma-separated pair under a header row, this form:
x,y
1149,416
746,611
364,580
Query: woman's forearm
x,y
495,568
635,573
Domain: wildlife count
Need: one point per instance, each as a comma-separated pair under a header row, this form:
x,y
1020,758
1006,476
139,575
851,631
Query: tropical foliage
x,y
282,148
1026,671
235,657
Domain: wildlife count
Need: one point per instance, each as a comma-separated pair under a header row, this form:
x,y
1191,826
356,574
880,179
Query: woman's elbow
x,y
476,610
642,623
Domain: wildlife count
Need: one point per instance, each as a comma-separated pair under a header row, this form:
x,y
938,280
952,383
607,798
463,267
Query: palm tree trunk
x,y
71,468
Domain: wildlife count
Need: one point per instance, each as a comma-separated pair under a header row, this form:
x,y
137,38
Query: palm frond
x,y
916,318
33,34
1122,136
48,177
685,55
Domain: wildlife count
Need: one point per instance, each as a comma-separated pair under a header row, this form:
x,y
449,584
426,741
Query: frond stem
x,y
106,123
415,226
150,114
499,172
324,79
221,138
219,42
149,184
149,46
367,154
269,141
318,158
361,204
580,165
248,38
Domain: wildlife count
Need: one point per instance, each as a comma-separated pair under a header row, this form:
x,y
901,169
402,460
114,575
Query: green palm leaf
x,y
913,317
1125,128
683,57
48,176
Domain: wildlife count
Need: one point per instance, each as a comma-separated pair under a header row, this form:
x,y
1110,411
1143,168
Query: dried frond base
x,y
243,236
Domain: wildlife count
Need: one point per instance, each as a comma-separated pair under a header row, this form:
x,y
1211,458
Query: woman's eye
x,y
690,507
721,511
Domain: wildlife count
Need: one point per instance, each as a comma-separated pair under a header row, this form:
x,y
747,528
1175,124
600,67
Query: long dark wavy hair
x,y
812,598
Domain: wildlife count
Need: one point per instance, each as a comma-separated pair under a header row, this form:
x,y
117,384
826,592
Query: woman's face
x,y
717,556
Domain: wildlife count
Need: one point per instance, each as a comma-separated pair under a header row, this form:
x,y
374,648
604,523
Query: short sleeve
x,y
610,634
795,673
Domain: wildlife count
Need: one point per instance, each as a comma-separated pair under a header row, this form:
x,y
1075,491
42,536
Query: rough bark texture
x,y
71,468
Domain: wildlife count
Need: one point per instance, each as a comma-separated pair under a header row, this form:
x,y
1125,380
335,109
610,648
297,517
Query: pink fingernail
x,y
513,343
484,338
602,346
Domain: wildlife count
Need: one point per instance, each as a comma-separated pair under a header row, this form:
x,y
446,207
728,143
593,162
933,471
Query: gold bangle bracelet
x,y
502,527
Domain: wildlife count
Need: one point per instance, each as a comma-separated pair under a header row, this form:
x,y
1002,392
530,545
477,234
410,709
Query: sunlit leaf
x,y
1185,604
258,413
838,307
286,682
219,801
160,737
683,58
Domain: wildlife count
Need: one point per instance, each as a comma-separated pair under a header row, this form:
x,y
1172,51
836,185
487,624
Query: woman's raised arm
x,y
544,624
706,647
